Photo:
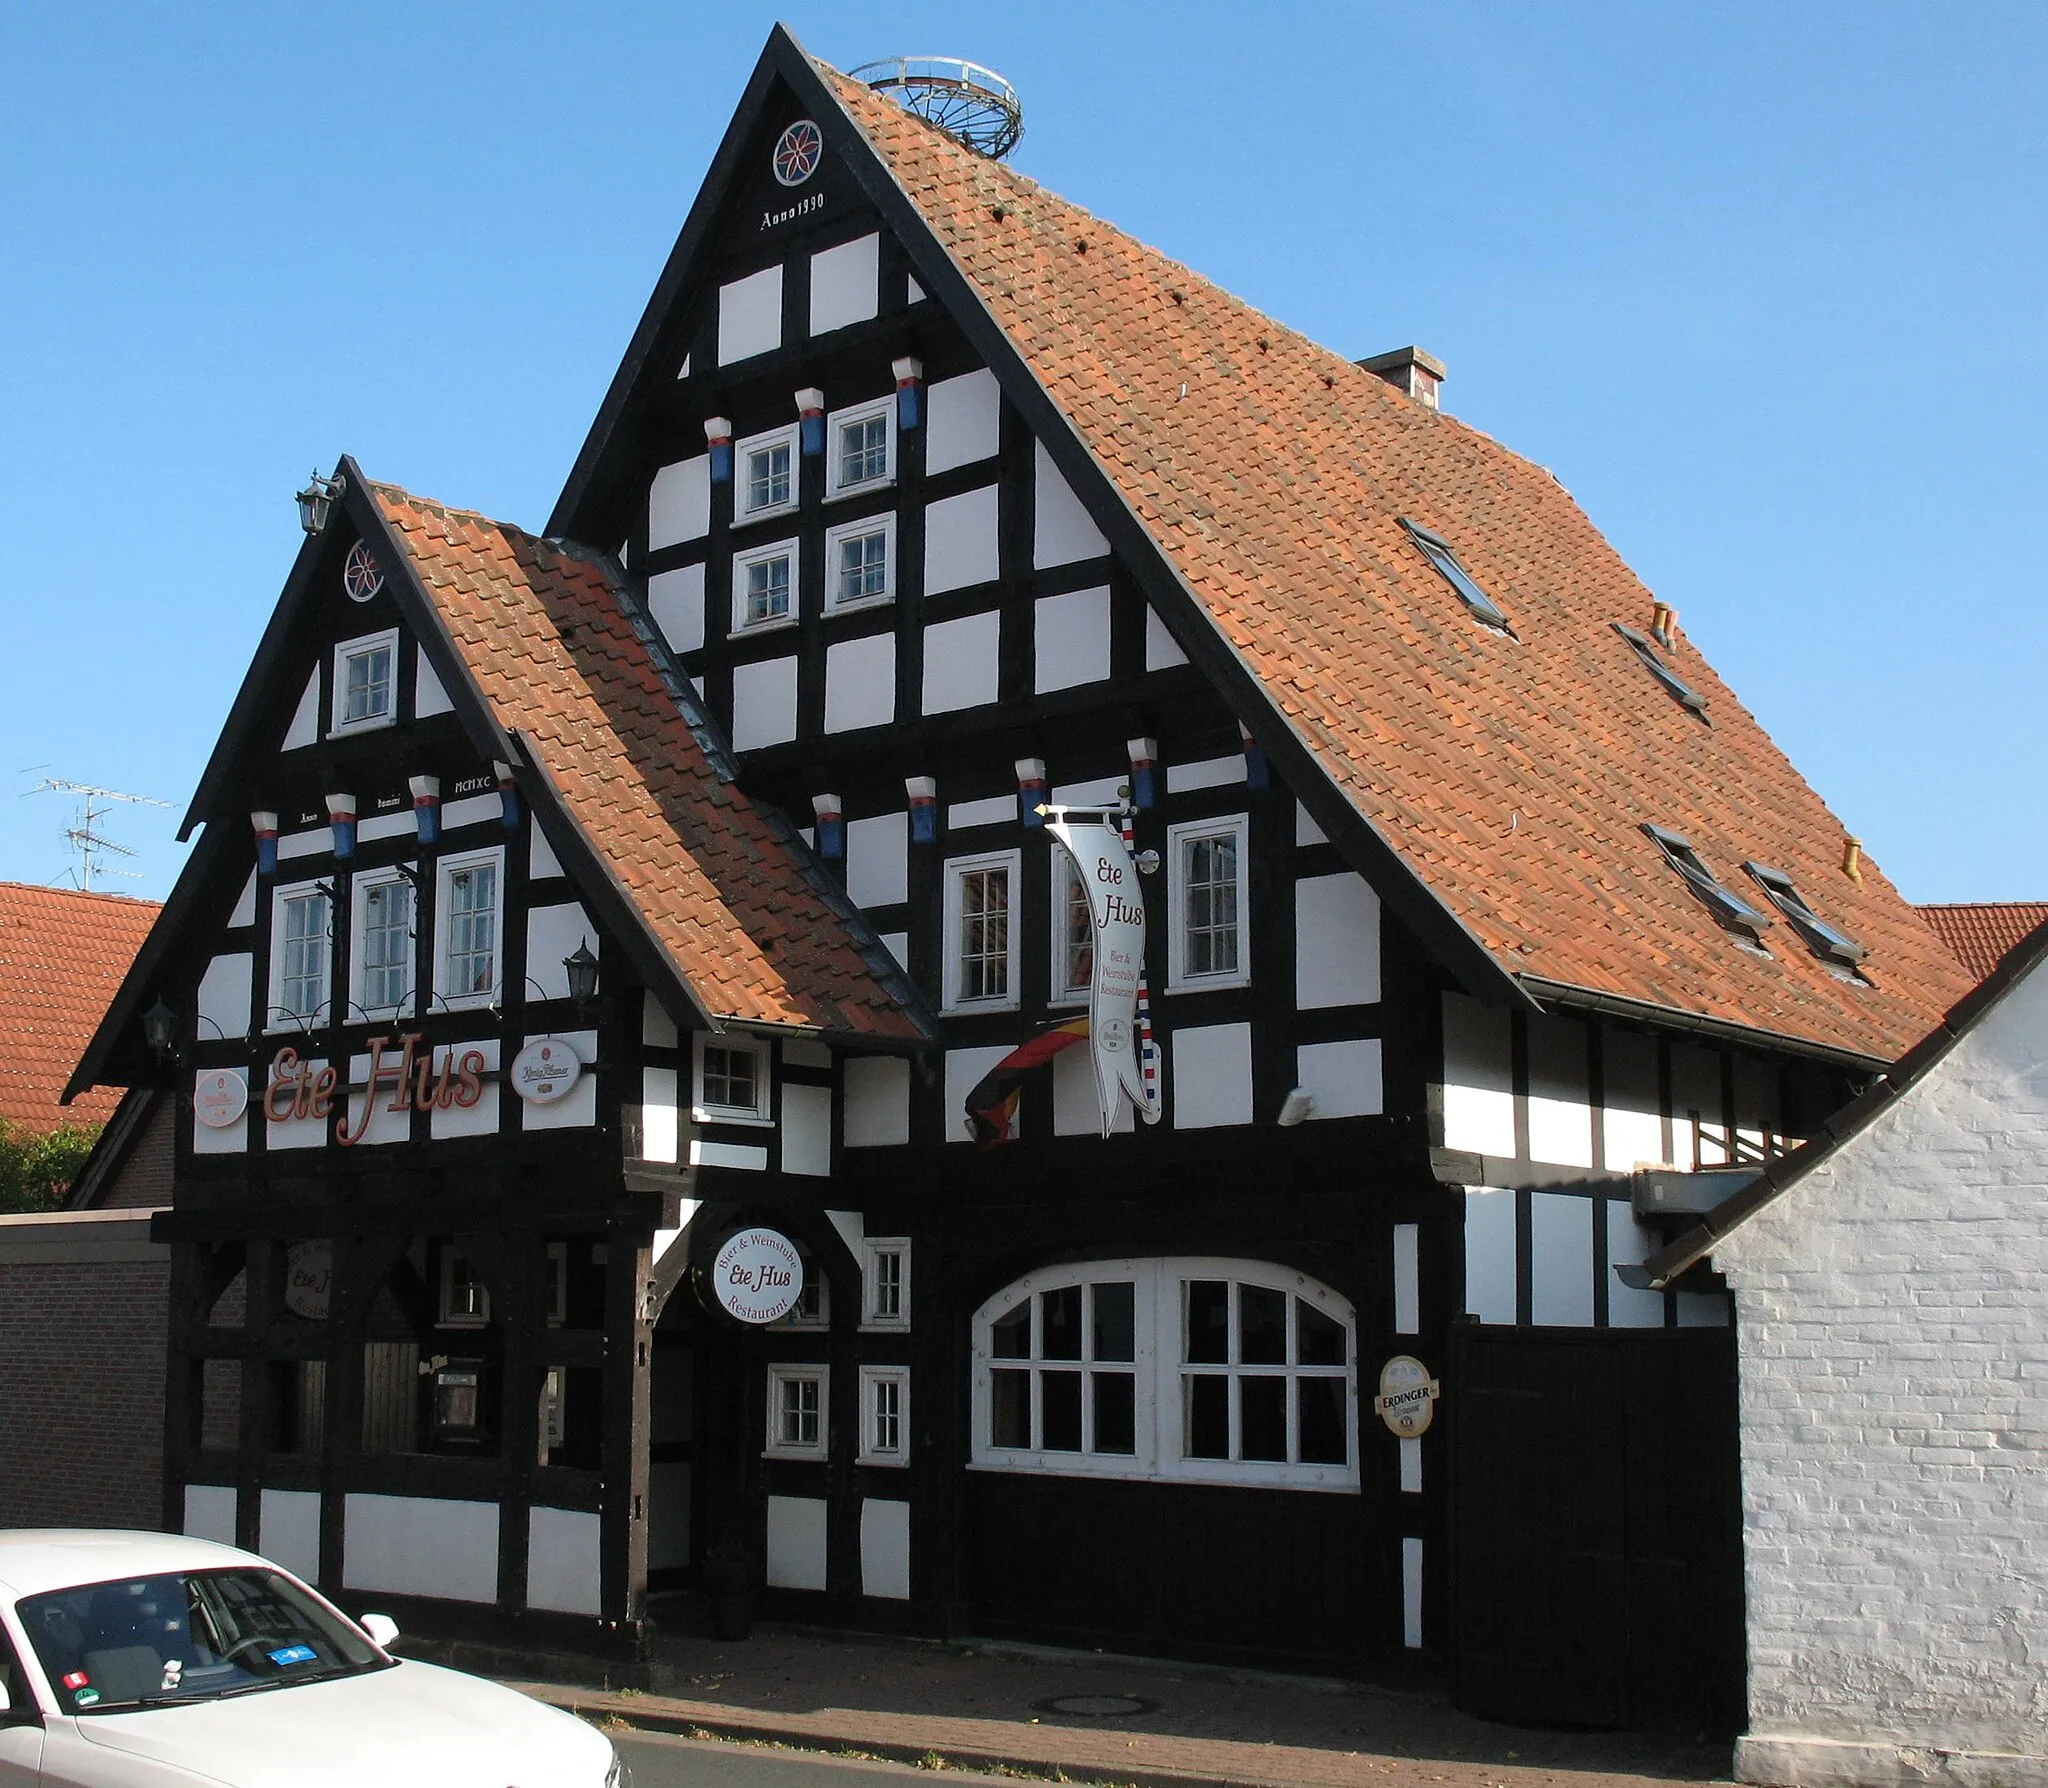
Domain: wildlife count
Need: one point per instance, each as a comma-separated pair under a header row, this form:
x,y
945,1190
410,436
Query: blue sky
x,y
1764,285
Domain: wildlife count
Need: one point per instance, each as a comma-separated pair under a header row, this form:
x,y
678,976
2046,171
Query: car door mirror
x,y
381,1628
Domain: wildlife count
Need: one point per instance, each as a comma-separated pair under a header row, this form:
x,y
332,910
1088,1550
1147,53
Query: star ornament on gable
x,y
361,576
797,151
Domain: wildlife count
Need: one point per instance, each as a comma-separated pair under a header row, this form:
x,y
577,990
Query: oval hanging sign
x,y
308,1269
1407,1399
545,1069
758,1276
219,1097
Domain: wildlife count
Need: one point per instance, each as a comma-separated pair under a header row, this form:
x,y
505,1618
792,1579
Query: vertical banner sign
x,y
1117,912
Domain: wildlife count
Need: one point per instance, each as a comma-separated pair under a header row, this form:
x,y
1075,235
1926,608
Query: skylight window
x,y
1437,550
1830,945
1735,913
1683,692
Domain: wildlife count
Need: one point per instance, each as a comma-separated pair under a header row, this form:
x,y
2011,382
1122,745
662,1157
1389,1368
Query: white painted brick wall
x,y
1893,1318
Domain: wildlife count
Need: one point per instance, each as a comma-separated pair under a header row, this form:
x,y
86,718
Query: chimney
x,y
1410,370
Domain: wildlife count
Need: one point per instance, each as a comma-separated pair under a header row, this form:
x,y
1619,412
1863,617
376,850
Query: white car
x,y
141,1660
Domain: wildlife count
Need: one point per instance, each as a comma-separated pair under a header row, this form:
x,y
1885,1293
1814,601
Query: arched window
x,y
1191,1370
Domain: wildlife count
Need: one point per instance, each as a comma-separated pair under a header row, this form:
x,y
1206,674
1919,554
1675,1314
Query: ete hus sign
x,y
300,1089
758,1276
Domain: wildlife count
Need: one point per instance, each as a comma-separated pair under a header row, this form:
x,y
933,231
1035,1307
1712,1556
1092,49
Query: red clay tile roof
x,y
751,937
1980,932
1512,776
62,958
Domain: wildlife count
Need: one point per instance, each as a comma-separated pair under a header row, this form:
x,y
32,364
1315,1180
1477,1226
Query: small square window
x,y
767,473
764,587
465,1299
981,947
1073,934
732,1080
365,682
471,934
885,1282
885,1415
860,447
860,562
1438,552
797,1412
1207,944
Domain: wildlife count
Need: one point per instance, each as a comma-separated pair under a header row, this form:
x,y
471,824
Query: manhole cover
x,y
1096,1707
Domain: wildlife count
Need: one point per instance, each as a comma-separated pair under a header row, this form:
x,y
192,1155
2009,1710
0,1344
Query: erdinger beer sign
x,y
757,1276
1117,913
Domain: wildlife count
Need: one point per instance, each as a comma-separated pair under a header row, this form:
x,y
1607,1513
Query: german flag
x,y
992,1106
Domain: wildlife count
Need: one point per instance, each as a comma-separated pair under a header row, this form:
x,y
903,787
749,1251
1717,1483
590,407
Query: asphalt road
x,y
659,1761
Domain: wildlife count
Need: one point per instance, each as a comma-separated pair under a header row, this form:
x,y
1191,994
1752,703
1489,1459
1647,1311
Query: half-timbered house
x,y
1485,931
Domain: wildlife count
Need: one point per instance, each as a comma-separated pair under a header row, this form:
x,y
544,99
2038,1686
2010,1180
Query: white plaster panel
x,y
679,503
418,1545
288,1531
1629,1243
562,1560
1560,1116
228,1139
885,1549
480,1119
1411,1593
656,1026
960,541
1343,1077
1208,772
305,722
245,905
1560,1260
1336,941
316,843
897,943
1212,1075
747,1157
472,810
878,859
428,697
1479,1101
1099,792
750,315
225,991
963,420
659,1121
210,1512
994,810
960,663
964,1068
1162,650
763,703
1407,1279
806,1052
860,682
915,292
1411,1464
1061,530
806,1129
1632,1132
1696,1087
386,825
1076,1111
295,1133
553,935
845,284
541,861
577,1108
1490,1254
796,1542
1306,831
385,1125
675,602
1072,638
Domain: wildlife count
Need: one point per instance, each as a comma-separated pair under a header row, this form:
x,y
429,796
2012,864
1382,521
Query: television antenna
x,y
84,834
971,104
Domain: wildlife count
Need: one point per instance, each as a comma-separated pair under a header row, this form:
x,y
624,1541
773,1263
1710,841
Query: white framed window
x,y
885,1282
766,474
1207,938
797,1412
465,1299
731,1083
814,1304
860,447
885,1415
365,683
301,949
860,563
1073,934
981,941
1192,1369
470,910
765,587
381,954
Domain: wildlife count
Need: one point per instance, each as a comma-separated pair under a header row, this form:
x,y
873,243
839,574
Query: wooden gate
x,y
1596,1527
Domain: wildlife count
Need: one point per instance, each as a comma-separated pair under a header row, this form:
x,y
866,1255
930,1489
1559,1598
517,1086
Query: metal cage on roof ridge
x,y
972,104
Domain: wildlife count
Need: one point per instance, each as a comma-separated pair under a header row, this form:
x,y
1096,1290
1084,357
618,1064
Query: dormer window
x,y
1679,690
1733,912
365,682
1437,550
1831,946
767,482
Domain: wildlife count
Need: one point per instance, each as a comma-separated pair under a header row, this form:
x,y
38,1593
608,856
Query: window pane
x,y
864,450
1208,1416
1209,904
1010,1333
767,590
863,567
1010,1409
1078,943
387,939
1320,1337
1261,1326
888,1283
1208,1313
472,928
888,1415
1116,1412
1061,1317
767,477
985,934
368,685
1322,1420
1262,1417
1115,1313
1060,1406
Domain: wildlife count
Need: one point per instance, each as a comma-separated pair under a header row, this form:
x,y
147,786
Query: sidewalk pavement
x,y
980,1704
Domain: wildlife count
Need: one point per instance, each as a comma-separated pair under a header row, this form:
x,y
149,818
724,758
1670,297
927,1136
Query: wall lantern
x,y
160,1031
320,495
581,968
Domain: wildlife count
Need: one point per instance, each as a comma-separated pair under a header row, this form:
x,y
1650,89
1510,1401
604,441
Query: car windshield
x,y
186,1636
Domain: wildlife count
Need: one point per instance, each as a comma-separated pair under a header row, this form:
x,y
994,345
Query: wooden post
x,y
628,1361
